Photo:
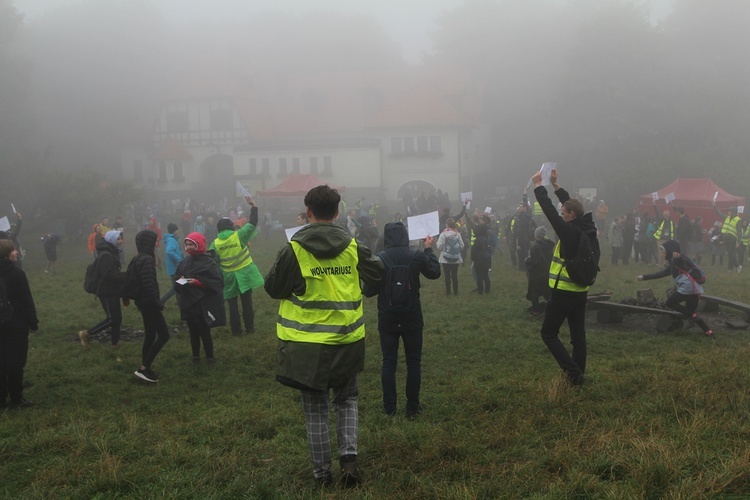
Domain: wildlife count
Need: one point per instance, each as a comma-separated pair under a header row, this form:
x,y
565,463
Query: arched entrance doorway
x,y
417,196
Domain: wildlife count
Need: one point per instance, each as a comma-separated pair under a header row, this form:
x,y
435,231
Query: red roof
x,y
695,192
296,185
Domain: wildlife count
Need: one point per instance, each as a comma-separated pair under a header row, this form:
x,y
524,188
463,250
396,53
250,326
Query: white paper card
x,y
291,231
716,195
741,209
422,226
670,197
181,281
466,196
241,191
14,208
488,210
655,196
5,225
546,171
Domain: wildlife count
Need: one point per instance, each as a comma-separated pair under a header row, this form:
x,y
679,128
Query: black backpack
x,y
397,284
584,266
6,308
91,278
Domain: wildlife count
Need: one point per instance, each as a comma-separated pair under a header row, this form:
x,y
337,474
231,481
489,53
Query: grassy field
x,y
660,415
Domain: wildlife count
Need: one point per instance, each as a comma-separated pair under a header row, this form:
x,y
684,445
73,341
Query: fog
x,y
624,96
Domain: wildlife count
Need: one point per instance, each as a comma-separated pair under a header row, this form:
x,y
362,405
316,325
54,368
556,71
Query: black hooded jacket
x,y
110,279
145,270
425,262
19,295
569,233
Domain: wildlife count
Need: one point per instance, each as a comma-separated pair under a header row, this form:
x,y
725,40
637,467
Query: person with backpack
x,y
17,319
688,279
141,278
568,298
481,254
321,328
451,245
400,313
108,288
200,295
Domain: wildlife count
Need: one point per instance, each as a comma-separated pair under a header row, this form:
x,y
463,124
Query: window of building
x,y
178,121
178,176
252,166
282,167
435,144
295,166
265,164
408,144
314,165
422,144
397,145
221,119
138,171
162,172
327,165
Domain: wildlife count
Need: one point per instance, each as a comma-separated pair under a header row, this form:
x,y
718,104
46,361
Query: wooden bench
x,y
612,312
711,304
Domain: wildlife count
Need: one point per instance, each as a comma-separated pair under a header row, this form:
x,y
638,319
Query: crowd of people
x,y
334,259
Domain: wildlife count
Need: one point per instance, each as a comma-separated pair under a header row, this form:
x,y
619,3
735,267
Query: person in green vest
x,y
729,233
241,275
744,235
567,298
321,328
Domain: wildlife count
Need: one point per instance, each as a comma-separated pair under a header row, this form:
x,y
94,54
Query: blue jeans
x,y
389,342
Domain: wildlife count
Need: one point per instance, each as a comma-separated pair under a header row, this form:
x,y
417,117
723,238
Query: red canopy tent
x,y
295,185
695,196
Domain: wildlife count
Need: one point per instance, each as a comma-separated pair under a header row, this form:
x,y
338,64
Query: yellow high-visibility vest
x,y
658,232
233,255
730,226
330,311
558,275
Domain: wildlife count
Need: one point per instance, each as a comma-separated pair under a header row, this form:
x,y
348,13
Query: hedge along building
x,y
379,134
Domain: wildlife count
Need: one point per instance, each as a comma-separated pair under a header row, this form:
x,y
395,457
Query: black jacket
x,y
145,270
481,250
569,233
425,262
19,295
206,301
108,270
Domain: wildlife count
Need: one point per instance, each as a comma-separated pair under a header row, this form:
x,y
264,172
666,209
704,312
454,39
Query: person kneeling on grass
x,y
200,289
149,304
688,290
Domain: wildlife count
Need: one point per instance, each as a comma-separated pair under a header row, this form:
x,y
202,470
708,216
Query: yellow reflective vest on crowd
x,y
233,255
558,275
730,226
330,311
658,232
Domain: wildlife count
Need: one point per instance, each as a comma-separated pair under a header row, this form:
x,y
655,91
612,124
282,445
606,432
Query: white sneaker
x,y
739,269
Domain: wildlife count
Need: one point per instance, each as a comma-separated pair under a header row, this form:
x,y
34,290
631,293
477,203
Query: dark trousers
x,y
615,255
248,315
14,349
741,254
111,306
688,310
156,334
627,249
730,244
482,270
571,306
450,271
389,342
200,331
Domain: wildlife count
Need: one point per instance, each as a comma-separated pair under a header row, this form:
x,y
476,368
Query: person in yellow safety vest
x,y
321,328
665,230
568,299
729,235
744,234
241,275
